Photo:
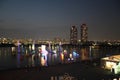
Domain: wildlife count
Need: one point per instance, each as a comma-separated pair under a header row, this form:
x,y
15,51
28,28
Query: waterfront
x,y
24,56
29,62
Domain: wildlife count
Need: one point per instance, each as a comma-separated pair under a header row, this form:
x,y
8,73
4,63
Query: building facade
x,y
84,33
73,35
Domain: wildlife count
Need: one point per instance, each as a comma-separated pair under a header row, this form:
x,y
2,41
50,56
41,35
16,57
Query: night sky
x,y
47,19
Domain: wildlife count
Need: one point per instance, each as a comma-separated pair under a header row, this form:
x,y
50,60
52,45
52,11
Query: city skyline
x,y
49,19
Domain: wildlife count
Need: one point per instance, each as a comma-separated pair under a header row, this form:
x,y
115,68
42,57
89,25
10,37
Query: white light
x,y
68,59
109,65
33,46
70,55
55,51
44,54
72,59
115,79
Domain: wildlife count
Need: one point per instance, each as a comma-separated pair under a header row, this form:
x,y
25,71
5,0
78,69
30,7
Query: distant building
x,y
84,34
73,35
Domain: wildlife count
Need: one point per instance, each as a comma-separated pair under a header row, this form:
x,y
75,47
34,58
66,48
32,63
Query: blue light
x,y
75,54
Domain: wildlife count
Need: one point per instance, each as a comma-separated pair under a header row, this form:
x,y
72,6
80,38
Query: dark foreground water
x,y
76,71
23,56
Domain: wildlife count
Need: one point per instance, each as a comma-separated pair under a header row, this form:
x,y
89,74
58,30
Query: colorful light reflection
x,y
44,55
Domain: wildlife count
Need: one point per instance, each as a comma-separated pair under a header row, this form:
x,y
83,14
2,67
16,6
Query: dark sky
x,y
46,19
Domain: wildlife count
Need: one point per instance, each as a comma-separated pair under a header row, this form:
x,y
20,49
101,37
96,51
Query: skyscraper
x,y
84,34
73,35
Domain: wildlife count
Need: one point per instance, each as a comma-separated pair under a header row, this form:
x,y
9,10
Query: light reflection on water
x,y
16,57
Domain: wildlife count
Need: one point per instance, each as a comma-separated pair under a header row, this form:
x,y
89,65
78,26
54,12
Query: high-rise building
x,y
73,35
84,34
